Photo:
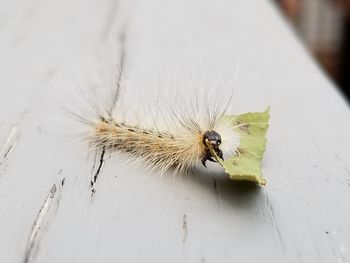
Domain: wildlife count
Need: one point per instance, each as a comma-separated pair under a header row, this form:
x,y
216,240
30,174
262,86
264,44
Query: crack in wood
x,y
120,69
42,221
215,187
97,173
8,147
10,143
273,221
116,93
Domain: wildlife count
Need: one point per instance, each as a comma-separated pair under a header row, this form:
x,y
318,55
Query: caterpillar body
x,y
191,143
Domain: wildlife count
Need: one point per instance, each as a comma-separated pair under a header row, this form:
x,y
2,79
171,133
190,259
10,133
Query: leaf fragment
x,y
245,164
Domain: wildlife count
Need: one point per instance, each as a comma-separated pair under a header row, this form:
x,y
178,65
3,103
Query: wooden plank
x,y
47,213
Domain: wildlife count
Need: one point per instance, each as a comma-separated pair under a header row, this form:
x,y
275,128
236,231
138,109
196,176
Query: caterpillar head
x,y
214,140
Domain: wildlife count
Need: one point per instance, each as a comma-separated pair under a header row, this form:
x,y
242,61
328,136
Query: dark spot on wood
x,y
337,156
51,72
216,190
131,130
93,191
327,232
184,228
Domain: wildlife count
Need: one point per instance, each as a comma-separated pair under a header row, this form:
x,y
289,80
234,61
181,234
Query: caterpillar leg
x,y
208,157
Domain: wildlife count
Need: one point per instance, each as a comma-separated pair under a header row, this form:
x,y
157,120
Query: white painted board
x,y
301,215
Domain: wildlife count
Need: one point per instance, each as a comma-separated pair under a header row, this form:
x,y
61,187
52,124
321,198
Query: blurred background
x,y
324,26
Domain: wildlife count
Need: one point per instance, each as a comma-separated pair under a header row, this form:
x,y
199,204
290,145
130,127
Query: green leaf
x,y
246,163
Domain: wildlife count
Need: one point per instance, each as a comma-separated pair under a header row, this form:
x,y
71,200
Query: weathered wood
x,y
47,210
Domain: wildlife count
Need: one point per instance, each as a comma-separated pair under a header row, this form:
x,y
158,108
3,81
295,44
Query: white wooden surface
x,y
302,215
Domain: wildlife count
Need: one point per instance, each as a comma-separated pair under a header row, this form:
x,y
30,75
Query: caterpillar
x,y
162,150
192,136
193,127
192,139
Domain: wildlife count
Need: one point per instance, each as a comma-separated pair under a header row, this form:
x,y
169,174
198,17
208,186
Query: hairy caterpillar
x,y
195,136
162,149
195,131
